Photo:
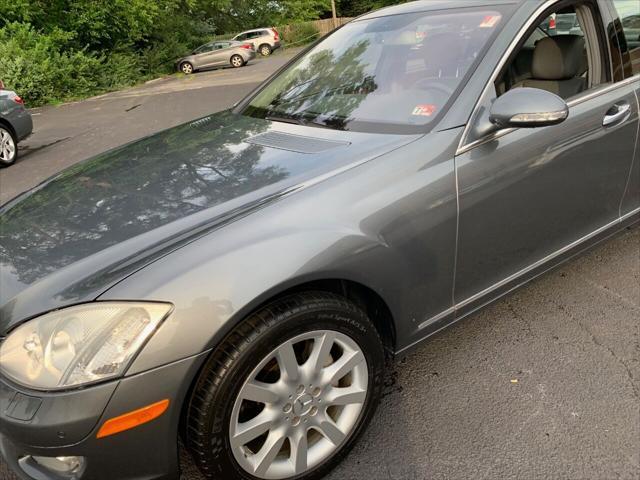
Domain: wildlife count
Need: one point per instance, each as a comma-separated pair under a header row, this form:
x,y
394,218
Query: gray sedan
x,y
239,281
15,125
217,54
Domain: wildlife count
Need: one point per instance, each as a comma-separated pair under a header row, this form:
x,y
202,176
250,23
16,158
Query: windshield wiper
x,y
299,121
293,120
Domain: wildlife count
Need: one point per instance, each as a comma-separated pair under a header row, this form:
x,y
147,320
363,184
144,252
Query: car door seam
x,y
633,157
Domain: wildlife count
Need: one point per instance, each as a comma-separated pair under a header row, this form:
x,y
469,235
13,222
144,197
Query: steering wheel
x,y
429,84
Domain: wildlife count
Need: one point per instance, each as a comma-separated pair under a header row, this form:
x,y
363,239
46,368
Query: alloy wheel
x,y
237,61
7,147
187,68
299,405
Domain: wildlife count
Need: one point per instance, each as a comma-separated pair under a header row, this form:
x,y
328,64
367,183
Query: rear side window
x,y
629,12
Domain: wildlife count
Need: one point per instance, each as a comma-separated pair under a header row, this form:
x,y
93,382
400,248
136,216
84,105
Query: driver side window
x,y
562,55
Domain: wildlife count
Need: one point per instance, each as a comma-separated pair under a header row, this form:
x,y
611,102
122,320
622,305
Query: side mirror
x,y
528,108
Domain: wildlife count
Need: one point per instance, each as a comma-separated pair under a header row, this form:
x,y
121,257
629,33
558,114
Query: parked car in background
x,y
217,54
15,125
265,40
561,24
631,27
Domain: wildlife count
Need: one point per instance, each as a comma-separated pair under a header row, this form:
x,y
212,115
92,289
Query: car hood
x,y
77,234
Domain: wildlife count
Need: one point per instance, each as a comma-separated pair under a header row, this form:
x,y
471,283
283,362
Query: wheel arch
x,y
362,295
5,123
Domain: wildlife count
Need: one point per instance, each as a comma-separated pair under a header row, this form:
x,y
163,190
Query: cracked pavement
x,y
543,384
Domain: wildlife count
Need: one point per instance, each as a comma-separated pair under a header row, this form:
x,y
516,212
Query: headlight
x,y
79,345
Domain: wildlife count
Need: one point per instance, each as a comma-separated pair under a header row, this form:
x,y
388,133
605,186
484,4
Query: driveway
x,y
543,384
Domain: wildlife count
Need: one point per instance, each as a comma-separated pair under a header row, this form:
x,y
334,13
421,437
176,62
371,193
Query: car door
x,y
220,54
206,55
255,39
626,17
526,195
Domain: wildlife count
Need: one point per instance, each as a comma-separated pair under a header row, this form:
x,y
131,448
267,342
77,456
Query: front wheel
x,y
8,147
186,68
237,61
288,392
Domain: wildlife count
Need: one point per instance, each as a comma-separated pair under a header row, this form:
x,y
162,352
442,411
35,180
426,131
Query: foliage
x,y
353,8
42,66
299,34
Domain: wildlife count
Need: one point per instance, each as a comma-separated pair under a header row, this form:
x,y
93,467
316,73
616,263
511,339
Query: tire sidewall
x,y
357,327
267,47
4,163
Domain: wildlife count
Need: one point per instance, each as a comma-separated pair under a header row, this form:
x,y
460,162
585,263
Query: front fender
x,y
389,224
212,292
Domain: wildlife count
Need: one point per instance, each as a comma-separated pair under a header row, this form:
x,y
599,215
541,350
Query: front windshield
x,y
393,73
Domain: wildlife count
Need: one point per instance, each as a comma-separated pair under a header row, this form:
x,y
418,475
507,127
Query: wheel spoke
x,y
345,396
253,428
268,452
287,362
343,365
299,447
331,431
260,392
320,352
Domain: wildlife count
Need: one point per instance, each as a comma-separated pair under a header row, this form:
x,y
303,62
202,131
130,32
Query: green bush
x,y
45,68
299,34
38,66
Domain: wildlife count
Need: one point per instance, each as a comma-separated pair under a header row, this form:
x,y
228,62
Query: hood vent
x,y
295,143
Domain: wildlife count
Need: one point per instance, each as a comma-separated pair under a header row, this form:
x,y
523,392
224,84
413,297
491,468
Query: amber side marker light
x,y
133,419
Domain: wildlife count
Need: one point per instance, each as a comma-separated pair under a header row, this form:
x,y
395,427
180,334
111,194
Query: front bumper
x,y
65,424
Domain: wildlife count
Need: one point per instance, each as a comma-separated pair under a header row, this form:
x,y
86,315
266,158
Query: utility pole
x,y
333,10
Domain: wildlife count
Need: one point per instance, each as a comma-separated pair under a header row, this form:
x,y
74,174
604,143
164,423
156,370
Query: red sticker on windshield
x,y
424,110
490,21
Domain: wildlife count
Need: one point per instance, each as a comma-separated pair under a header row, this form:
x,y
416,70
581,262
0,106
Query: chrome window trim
x,y
539,263
463,146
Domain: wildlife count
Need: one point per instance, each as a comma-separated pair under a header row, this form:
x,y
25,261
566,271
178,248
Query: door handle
x,y
617,114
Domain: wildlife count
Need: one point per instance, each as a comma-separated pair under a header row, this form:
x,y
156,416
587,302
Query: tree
x,y
353,8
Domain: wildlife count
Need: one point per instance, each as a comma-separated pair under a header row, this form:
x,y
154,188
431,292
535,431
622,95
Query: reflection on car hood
x,y
79,233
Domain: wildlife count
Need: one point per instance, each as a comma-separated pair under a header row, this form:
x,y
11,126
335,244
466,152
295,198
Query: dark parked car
x,y
15,125
237,281
217,54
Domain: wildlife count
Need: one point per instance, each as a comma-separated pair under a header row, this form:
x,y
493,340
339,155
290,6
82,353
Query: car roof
x,y
254,30
429,5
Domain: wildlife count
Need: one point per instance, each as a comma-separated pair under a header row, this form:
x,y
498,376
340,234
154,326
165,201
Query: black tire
x,y
4,129
208,412
236,61
265,49
187,68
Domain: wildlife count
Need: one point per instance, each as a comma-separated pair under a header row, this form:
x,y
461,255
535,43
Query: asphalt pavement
x,y
544,384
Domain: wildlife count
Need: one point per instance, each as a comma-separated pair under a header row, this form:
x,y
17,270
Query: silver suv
x,y
264,40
